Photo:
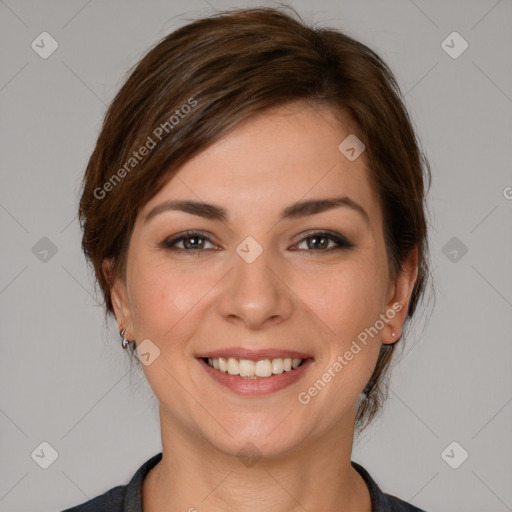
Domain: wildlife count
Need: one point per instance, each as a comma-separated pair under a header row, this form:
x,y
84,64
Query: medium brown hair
x,y
225,68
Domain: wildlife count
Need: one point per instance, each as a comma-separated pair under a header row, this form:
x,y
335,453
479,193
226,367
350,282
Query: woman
x,y
254,211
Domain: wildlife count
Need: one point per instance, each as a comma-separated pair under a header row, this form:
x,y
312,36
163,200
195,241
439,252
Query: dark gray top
x,y
128,498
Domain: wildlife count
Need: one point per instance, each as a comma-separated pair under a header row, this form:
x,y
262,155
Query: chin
x,y
258,439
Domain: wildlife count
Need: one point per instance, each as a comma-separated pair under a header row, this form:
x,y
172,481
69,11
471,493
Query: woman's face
x,y
263,283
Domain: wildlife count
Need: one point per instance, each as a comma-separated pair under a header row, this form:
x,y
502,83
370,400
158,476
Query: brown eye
x,y
192,241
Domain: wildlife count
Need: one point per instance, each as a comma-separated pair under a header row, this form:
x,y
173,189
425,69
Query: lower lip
x,y
261,386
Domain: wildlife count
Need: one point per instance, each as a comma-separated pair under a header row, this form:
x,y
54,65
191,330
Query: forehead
x,y
273,159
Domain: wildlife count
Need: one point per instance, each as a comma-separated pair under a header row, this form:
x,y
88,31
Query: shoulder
x,y
111,501
382,502
121,498
397,505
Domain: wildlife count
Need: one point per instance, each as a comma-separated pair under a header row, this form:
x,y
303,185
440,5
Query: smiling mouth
x,y
249,369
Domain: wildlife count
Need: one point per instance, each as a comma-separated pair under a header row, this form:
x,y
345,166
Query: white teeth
x,y
263,368
223,364
253,369
277,366
246,368
233,366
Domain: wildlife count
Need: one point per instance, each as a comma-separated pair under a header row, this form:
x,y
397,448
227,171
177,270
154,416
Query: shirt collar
x,y
133,497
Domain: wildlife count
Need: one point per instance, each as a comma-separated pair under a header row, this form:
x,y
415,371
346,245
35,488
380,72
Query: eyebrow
x,y
296,210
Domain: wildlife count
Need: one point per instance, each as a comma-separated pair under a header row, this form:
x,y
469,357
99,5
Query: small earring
x,y
125,342
396,338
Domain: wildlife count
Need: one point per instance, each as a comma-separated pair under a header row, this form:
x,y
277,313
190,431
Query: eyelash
x,y
342,242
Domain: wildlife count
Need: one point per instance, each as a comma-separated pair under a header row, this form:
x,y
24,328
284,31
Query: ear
x,y
119,297
399,296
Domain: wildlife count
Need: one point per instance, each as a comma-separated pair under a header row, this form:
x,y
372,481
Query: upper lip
x,y
255,355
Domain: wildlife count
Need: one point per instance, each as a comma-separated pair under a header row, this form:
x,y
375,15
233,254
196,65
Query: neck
x,y
194,475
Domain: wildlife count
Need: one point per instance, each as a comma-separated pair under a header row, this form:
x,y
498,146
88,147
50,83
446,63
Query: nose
x,y
257,294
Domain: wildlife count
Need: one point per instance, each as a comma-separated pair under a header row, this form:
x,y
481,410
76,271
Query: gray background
x,y
64,377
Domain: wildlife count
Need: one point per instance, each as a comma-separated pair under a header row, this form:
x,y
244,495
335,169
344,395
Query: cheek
x,y
165,298
348,299
350,305
346,308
